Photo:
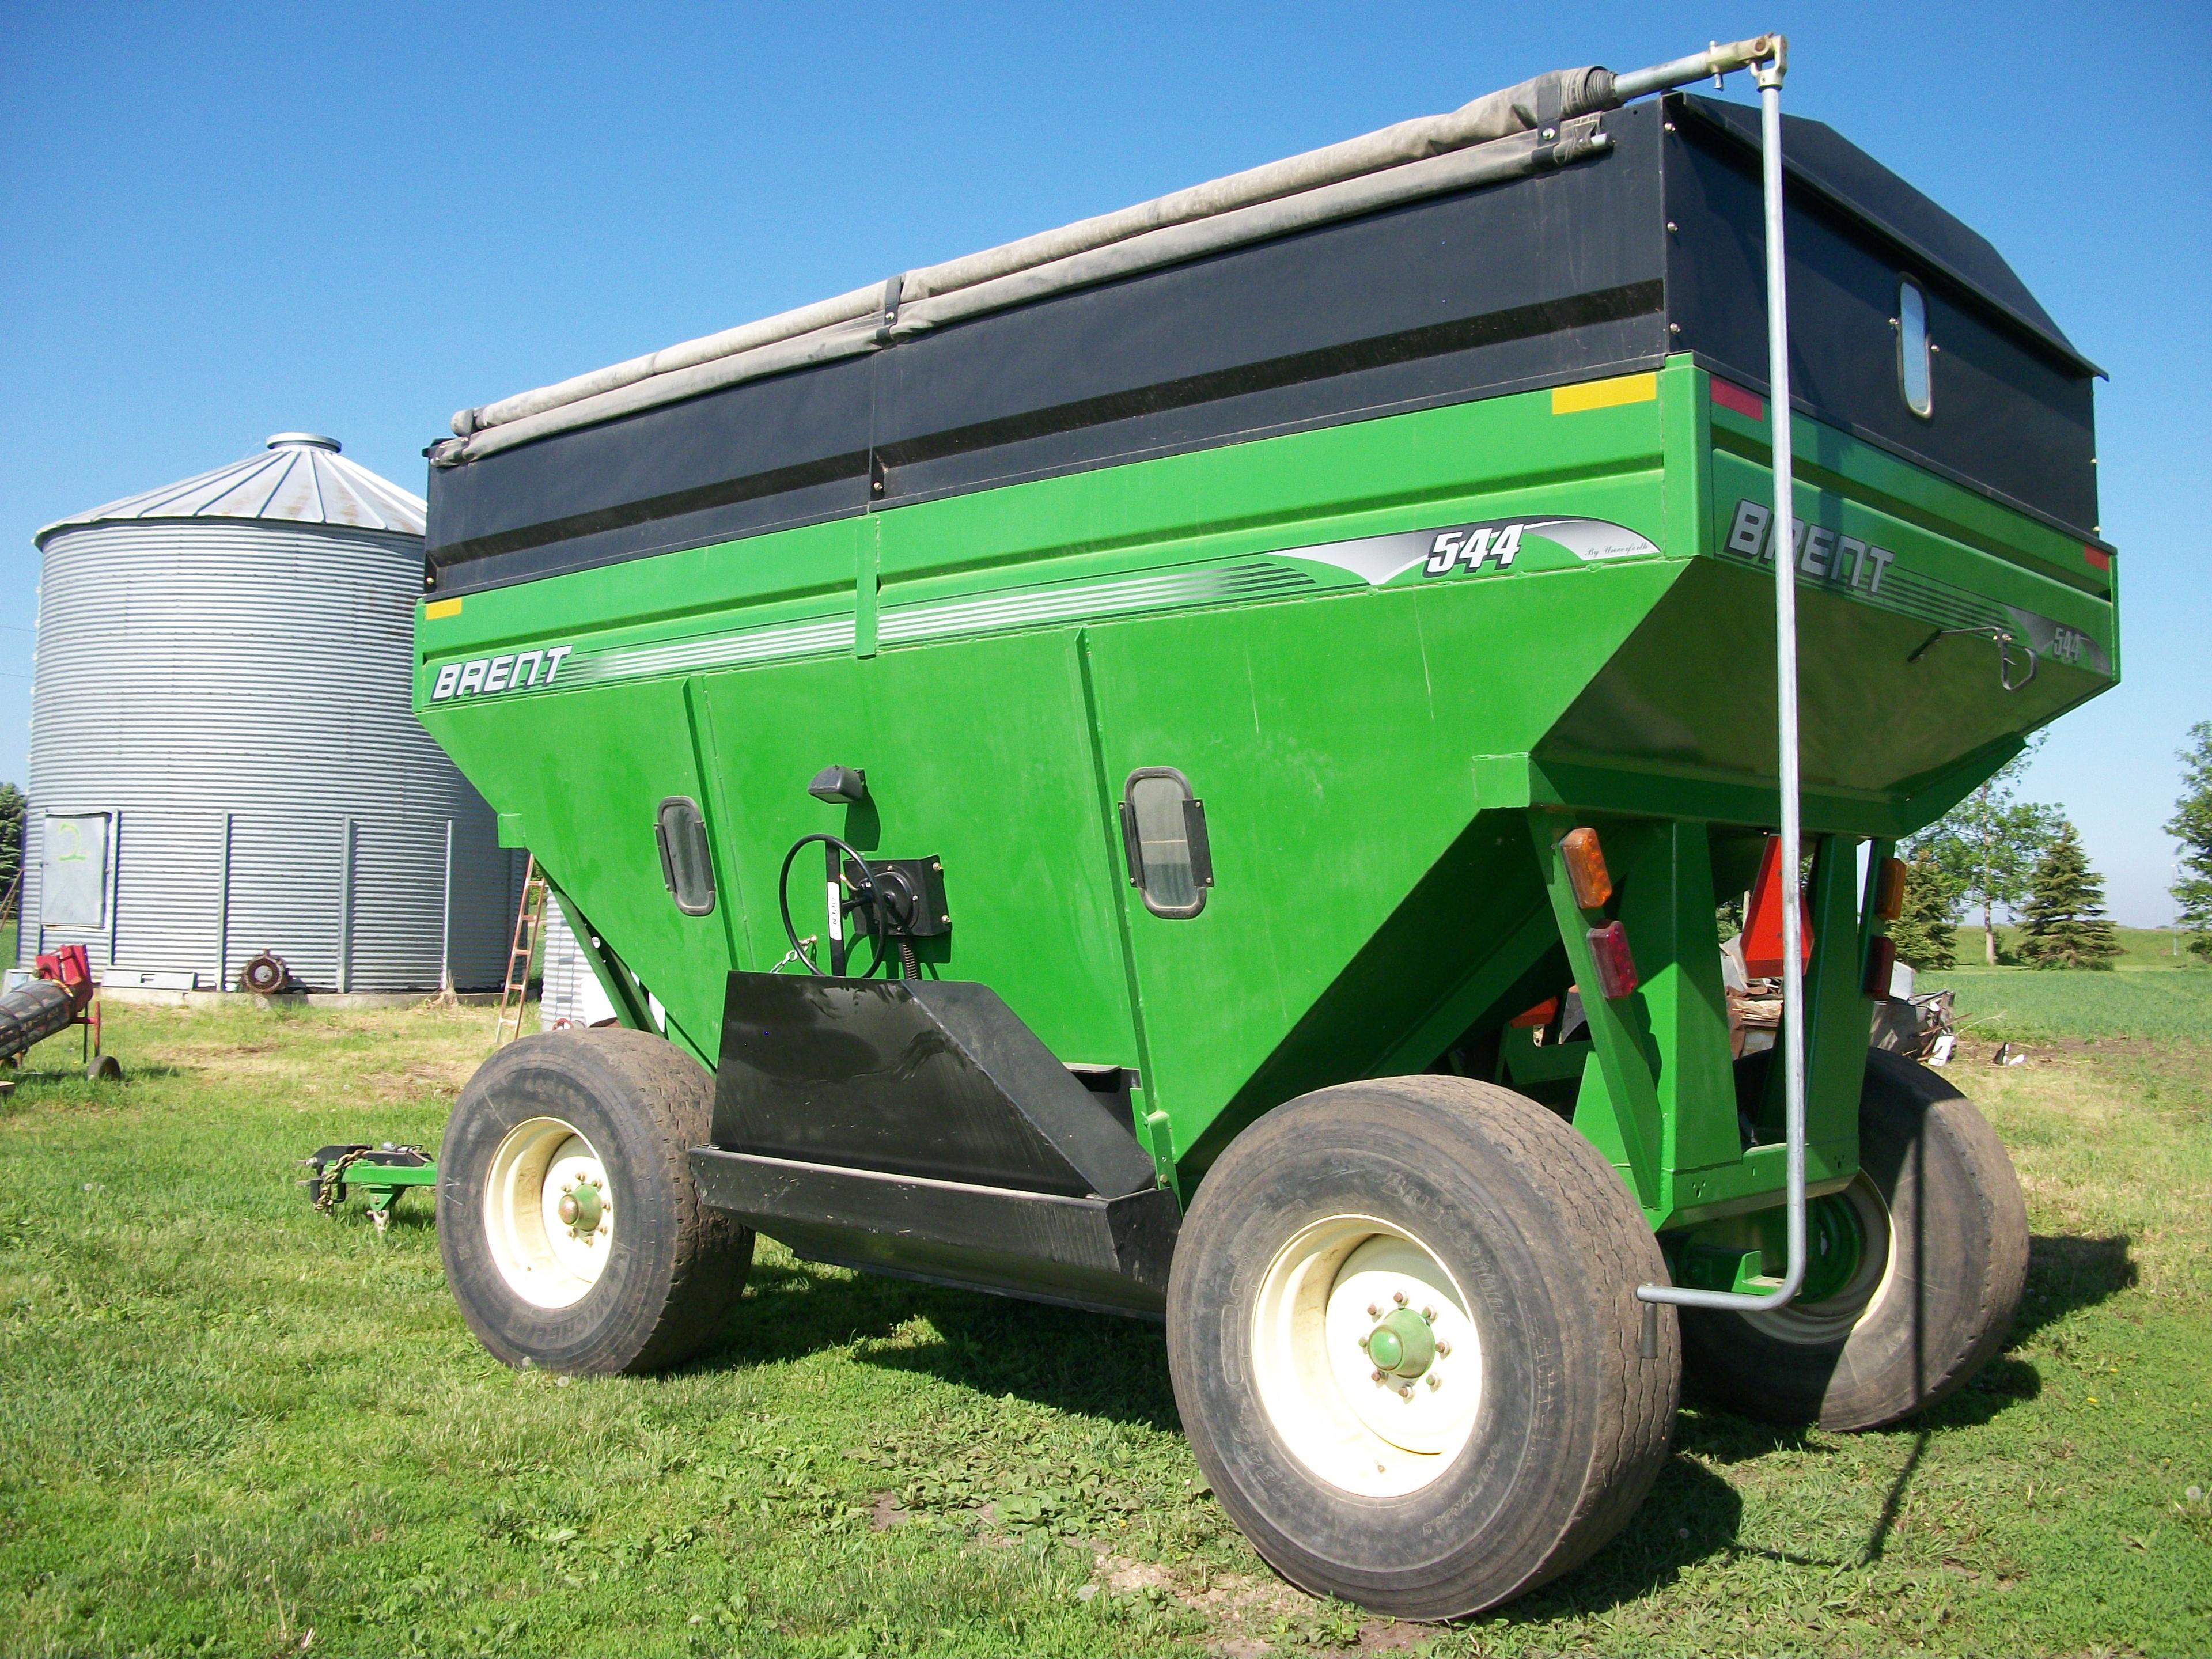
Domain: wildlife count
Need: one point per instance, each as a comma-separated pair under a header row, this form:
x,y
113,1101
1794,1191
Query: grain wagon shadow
x,y
790,1310
1691,1516
1082,1363
2066,1273
1074,1362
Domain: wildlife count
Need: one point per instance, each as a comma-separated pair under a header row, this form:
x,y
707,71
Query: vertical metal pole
x,y
1769,77
222,908
446,920
114,879
345,909
834,881
1783,539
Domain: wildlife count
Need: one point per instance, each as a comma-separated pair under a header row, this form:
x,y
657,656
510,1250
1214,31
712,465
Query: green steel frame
x,y
1386,761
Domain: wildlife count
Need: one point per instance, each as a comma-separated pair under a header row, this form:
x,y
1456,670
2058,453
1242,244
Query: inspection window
x,y
1914,351
686,866
1163,832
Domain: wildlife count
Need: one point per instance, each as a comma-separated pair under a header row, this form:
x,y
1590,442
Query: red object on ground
x,y
1731,396
1762,924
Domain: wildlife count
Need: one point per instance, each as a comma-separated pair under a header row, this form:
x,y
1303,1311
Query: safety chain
x,y
334,1176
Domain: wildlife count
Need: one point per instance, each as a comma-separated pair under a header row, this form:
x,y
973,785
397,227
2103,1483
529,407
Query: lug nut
x,y
1434,1380
1374,1310
1363,1341
1398,1297
1429,1314
1375,1376
1443,1347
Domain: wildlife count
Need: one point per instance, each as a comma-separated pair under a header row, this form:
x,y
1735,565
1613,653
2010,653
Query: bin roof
x,y
299,478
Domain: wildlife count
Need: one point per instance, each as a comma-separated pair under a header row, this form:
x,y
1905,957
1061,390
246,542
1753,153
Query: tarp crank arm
x,y
1769,69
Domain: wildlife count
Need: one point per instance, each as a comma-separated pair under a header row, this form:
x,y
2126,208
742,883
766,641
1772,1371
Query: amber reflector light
x,y
1586,870
1889,891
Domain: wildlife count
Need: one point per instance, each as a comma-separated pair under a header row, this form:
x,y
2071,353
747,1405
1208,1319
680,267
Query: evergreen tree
x,y
11,839
2191,825
2063,921
1926,932
1988,844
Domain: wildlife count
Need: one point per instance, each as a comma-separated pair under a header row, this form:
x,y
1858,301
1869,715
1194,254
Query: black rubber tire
x,y
1539,1232
1958,1235
675,1268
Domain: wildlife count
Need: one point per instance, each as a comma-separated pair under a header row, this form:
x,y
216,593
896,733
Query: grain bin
x,y
223,760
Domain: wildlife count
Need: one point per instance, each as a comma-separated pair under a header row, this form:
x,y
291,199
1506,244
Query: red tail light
x,y
1881,962
1616,968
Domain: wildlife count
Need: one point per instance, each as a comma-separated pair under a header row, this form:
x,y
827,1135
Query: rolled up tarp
x,y
849,322
1500,159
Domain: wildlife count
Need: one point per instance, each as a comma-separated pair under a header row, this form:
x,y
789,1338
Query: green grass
x,y
227,1422
2140,947
2036,1005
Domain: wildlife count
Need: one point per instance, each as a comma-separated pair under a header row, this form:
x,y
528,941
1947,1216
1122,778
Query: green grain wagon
x,y
1183,767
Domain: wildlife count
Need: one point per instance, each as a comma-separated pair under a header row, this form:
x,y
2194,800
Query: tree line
x,y
1995,851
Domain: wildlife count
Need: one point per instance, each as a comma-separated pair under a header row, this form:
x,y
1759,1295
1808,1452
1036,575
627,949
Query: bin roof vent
x,y
299,478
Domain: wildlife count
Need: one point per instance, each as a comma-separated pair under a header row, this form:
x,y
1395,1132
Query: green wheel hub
x,y
1835,1242
1403,1343
580,1207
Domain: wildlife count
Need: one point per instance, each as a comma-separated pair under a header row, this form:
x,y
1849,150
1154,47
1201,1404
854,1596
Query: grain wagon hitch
x,y
381,1174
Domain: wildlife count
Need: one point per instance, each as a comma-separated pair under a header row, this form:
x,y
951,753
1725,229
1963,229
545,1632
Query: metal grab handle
x,y
2005,640
1768,71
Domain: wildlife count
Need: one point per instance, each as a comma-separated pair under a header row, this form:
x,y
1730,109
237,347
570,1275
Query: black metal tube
x,y
32,1012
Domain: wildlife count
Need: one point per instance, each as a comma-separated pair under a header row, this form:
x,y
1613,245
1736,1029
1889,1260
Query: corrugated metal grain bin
x,y
223,760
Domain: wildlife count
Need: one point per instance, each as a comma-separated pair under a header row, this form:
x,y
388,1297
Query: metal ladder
x,y
529,922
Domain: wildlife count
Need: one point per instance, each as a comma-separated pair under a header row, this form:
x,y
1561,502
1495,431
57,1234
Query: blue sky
x,y
221,221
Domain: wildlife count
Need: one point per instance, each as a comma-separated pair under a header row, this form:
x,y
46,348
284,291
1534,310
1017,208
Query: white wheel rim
x,y
1380,1437
1818,1324
547,1260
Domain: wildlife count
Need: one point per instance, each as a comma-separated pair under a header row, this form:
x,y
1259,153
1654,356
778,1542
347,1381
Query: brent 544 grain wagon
x,y
1183,767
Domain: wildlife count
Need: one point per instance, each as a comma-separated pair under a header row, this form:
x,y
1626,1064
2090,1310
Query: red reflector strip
x,y
1881,962
1540,1015
1616,968
1729,396
2098,558
1762,926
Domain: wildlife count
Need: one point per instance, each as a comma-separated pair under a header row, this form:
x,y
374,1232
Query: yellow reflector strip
x,y
1605,394
437,608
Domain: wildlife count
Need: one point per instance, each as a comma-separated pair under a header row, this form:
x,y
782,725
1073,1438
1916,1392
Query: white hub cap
x,y
1366,1357
549,1216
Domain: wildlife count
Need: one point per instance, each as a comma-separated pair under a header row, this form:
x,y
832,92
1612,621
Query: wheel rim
x,y
549,1216
1366,1357
1831,1319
